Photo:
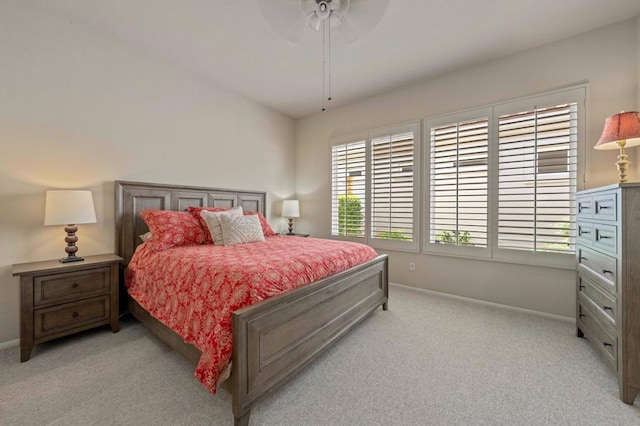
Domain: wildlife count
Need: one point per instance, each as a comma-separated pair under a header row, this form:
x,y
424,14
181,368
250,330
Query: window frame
x,y
367,137
578,94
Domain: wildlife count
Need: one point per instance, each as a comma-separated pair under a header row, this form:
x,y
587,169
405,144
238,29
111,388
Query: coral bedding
x,y
194,289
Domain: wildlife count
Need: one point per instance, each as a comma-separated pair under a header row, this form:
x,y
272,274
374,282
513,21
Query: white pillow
x,y
213,222
144,237
240,229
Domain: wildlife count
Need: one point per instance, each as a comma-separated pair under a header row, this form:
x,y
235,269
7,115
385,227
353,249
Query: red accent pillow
x,y
266,229
170,228
195,212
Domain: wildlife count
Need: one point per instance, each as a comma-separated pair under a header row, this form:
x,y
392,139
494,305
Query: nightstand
x,y
295,235
58,299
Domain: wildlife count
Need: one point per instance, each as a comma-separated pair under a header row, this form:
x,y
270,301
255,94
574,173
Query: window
x,y
459,182
374,190
537,175
503,179
348,203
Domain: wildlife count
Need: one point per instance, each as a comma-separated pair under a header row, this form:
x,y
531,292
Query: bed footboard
x,y
274,339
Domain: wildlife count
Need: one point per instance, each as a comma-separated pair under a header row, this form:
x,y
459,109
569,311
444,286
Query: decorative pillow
x,y
240,229
266,229
195,211
212,221
144,237
170,228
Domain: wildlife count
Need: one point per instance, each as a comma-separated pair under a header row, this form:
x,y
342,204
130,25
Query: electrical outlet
x,y
412,266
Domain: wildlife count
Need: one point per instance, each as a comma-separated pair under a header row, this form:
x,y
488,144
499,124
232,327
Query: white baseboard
x,y
493,304
9,344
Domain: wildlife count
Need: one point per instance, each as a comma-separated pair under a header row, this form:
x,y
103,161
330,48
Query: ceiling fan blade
x,y
346,30
285,17
362,17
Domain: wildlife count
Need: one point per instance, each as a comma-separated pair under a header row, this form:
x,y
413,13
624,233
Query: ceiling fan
x,y
292,19
352,19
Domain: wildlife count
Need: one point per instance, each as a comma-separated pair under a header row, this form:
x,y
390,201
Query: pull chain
x,y
324,56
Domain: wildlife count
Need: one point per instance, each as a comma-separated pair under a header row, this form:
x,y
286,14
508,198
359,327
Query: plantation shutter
x,y
537,158
392,186
348,195
459,183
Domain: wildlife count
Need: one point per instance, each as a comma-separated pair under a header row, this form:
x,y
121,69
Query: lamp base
x,y
71,259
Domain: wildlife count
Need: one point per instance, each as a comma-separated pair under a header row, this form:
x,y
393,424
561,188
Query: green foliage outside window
x,y
393,235
350,216
454,237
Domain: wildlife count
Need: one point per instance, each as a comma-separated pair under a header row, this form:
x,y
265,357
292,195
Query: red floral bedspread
x,y
194,289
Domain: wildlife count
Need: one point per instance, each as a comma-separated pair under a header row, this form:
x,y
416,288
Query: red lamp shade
x,y
618,128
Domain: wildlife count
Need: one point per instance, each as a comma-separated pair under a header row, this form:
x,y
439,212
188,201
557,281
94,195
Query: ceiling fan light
x,y
324,10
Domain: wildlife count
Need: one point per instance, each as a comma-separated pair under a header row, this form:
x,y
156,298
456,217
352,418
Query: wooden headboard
x,y
133,197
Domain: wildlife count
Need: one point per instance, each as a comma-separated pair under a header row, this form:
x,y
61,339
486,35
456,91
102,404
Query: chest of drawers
x,y
608,279
58,299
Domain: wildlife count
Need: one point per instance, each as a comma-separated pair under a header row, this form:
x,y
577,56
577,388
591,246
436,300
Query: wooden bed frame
x,y
273,339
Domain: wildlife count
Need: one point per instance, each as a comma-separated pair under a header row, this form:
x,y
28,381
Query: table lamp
x,y
291,210
69,207
620,131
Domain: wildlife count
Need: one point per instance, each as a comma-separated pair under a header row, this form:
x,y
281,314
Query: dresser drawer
x,y
604,206
597,300
605,237
584,233
70,286
601,264
599,337
584,207
57,319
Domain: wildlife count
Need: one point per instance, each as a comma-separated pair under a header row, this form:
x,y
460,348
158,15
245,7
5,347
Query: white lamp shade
x,y
290,208
69,207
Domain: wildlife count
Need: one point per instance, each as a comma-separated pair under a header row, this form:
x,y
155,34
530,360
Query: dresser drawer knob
x,y
75,315
583,207
608,308
606,271
581,287
582,258
603,207
603,237
607,344
582,232
74,285
582,315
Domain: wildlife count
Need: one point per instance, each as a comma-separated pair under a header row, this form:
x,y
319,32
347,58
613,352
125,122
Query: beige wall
x,y
79,109
606,58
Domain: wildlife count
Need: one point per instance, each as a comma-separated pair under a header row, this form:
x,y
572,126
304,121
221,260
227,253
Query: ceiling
x,y
230,43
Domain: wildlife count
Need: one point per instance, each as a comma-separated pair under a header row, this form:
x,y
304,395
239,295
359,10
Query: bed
x,y
268,347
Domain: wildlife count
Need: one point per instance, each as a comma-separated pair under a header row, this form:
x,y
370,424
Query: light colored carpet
x,y
429,360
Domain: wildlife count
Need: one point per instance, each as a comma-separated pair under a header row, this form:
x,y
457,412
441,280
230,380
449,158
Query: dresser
x,y
608,278
58,299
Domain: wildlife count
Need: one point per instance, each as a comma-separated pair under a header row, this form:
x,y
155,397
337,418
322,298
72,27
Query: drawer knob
x,y
608,308
582,258
583,207
603,237
606,271
74,285
607,344
582,315
75,315
582,232
603,207
581,287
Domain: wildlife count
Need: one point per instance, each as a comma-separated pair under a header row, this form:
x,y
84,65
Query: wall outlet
x,y
412,266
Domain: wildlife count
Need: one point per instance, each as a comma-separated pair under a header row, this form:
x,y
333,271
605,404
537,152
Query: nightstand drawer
x,y
49,289
591,295
601,264
601,339
69,316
